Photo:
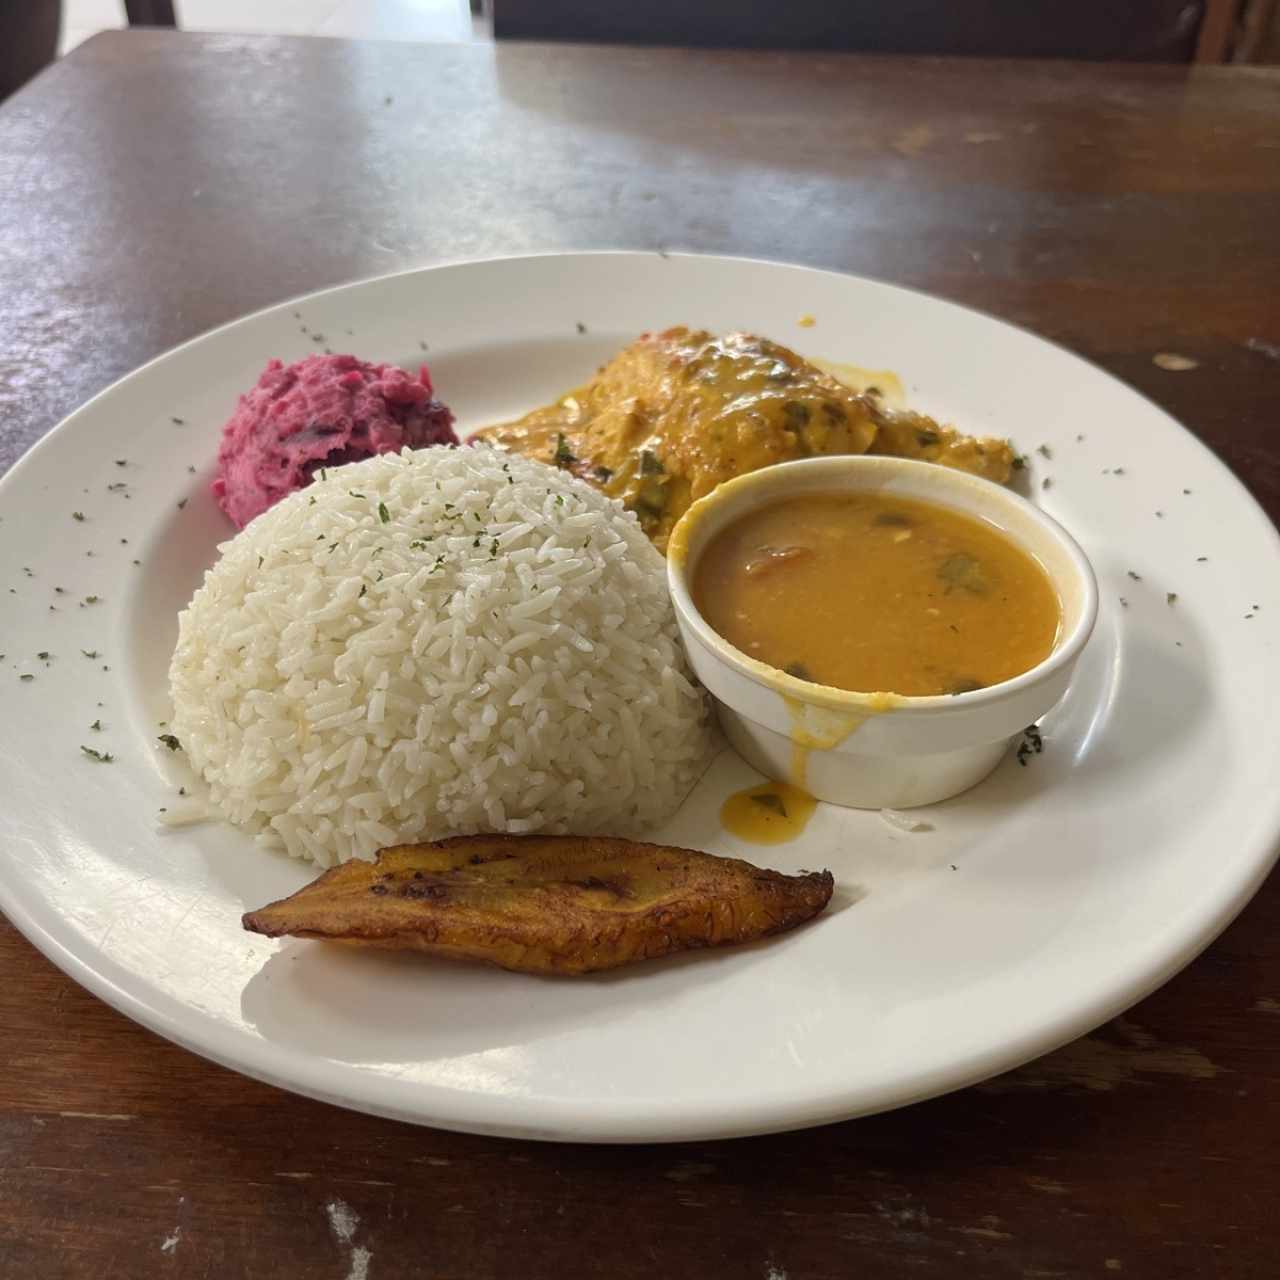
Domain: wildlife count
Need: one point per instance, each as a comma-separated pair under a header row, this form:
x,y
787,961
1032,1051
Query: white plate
x,y
1041,903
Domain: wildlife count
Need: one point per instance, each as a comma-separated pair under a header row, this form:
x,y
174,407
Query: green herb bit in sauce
x,y
563,455
962,572
800,672
383,514
651,464
797,413
771,800
102,757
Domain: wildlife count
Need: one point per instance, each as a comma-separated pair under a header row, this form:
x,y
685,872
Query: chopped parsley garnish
x,y
182,502
92,599
1047,482
383,514
170,741
1044,451
178,422
96,726
1137,577
78,516
1032,744
582,328
122,462
102,757
364,591
354,494
90,653
1019,462
1170,597
771,800
27,676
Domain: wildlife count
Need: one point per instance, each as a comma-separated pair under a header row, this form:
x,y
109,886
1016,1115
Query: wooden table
x,y
155,184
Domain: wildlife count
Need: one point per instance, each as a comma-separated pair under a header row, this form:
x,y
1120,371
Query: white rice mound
x,y
435,643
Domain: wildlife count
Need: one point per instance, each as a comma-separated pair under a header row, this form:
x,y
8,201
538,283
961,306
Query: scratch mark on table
x,y
988,1228
96,1115
1113,1264
1265,1004
344,1222
689,1170
170,1243
285,1173
911,142
774,1272
1048,1186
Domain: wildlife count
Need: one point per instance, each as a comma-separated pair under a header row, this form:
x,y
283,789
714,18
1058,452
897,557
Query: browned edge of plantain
x,y
546,904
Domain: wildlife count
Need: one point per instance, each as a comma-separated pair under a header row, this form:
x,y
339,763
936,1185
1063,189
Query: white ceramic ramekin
x,y
877,750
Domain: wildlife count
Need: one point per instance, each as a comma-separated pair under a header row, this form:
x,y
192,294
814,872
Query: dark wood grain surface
x,y
155,184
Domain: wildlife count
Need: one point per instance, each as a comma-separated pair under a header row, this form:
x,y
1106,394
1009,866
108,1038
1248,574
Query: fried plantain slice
x,y
545,904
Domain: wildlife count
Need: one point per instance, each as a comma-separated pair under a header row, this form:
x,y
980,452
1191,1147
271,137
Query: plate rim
x,y
300,1072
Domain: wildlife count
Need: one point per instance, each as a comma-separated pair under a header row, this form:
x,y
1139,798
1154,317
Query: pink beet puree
x,y
320,412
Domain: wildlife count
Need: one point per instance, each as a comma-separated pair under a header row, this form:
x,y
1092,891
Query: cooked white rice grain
x,y
498,654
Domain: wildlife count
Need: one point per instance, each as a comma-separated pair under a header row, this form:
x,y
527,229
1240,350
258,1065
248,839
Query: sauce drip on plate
x,y
768,813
